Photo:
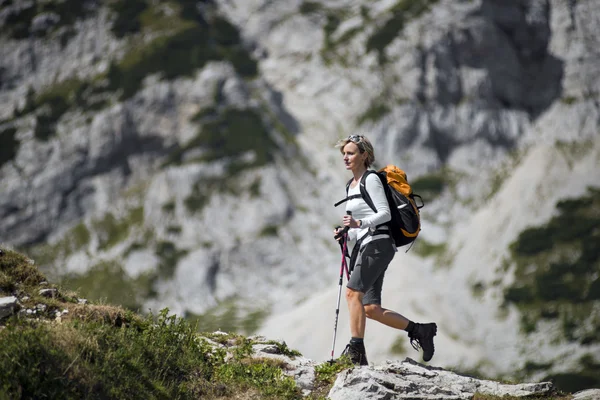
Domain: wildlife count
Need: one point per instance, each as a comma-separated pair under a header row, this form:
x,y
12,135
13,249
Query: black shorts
x,y
371,263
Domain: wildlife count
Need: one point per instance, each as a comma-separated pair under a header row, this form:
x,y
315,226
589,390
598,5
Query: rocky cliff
x,y
181,154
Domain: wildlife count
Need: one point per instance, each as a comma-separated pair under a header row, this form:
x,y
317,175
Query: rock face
x,y
7,306
215,185
409,379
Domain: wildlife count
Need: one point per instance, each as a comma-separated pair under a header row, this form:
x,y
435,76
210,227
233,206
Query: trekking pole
x,y
343,267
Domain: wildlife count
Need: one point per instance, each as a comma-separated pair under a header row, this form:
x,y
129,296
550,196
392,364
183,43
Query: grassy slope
x,y
102,351
70,350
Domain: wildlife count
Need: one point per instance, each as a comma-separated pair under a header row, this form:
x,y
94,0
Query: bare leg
x,y
385,316
357,313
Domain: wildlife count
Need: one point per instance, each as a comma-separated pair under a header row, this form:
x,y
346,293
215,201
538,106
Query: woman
x,y
373,250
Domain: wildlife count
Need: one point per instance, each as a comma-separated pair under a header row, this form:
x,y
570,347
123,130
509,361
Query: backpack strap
x,y
356,196
363,190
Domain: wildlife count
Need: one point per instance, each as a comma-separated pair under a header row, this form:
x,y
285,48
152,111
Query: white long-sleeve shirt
x,y
361,210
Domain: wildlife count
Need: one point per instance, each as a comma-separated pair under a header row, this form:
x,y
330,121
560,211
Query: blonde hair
x,y
364,146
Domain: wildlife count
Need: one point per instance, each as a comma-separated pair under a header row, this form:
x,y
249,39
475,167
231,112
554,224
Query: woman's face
x,y
353,158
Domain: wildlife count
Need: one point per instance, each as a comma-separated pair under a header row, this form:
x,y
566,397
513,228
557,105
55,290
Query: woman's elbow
x,y
387,216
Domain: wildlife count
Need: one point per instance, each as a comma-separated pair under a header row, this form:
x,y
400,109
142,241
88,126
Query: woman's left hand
x,y
347,220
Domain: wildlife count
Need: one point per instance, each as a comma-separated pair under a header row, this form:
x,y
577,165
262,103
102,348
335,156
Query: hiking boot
x,y
422,336
356,353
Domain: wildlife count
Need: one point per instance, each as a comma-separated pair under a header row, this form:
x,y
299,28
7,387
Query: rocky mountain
x,y
181,154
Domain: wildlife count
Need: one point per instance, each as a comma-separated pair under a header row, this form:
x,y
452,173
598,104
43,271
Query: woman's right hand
x,y
335,233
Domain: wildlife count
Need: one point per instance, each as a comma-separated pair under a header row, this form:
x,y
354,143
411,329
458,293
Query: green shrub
x,y
374,113
107,281
9,145
228,316
269,230
401,14
558,268
309,7
169,255
32,365
103,352
52,103
127,19
234,133
180,53
110,231
429,186
327,372
18,26
574,382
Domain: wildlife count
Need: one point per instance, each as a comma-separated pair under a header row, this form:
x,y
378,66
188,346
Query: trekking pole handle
x,y
343,231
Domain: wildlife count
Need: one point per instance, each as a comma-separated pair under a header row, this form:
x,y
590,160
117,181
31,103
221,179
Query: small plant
x,y
283,348
327,372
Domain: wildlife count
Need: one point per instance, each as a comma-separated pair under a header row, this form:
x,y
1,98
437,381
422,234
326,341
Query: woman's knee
x,y
373,311
353,295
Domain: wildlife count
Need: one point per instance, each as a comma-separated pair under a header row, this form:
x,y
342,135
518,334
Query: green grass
x,y
426,249
557,274
555,396
227,135
99,351
374,113
269,230
401,13
108,282
76,239
183,44
9,145
205,188
326,373
111,230
186,46
430,186
399,346
169,256
229,316
310,7
56,100
234,133
127,16
255,188
330,48
53,103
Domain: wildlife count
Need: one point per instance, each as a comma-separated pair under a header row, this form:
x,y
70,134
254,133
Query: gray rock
x,y
43,22
590,394
7,306
409,379
48,292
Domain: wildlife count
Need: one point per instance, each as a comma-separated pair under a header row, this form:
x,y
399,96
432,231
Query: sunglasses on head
x,y
355,138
